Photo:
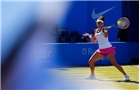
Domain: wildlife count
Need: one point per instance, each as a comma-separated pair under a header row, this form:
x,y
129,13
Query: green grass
x,y
113,74
106,75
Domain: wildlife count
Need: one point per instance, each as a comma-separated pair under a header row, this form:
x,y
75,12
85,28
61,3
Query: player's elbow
x,y
93,39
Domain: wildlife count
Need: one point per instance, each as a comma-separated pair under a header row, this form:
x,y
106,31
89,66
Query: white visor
x,y
98,20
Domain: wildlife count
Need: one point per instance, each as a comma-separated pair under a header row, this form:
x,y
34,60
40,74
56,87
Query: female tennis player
x,y
105,48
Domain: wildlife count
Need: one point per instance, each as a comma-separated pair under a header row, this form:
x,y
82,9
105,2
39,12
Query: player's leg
x,y
95,57
112,58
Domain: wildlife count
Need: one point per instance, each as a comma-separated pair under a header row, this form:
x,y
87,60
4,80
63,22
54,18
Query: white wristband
x,y
90,36
105,30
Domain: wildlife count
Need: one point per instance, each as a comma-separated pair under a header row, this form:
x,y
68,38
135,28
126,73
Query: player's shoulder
x,y
95,30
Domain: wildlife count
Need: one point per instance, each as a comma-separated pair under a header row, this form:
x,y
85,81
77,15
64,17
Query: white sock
x,y
125,75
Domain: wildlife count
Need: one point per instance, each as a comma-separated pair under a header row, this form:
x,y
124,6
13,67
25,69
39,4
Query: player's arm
x,y
105,30
94,39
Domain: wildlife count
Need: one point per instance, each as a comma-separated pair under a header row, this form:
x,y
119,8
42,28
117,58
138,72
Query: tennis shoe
x,y
90,77
127,78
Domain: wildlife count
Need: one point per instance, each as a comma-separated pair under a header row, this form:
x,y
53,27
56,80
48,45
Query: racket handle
x,y
109,27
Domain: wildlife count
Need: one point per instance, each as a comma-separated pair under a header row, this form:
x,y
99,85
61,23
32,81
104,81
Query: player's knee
x,y
91,61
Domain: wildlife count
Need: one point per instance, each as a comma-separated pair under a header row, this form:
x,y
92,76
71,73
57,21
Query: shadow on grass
x,y
127,81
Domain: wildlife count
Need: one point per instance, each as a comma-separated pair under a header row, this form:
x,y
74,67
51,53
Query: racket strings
x,y
124,23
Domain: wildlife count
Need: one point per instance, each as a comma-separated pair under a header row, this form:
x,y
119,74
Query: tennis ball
x,y
118,22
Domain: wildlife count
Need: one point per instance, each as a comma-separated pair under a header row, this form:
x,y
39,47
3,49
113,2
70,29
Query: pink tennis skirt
x,y
107,51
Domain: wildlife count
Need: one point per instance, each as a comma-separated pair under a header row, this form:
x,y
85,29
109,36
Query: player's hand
x,y
106,28
86,34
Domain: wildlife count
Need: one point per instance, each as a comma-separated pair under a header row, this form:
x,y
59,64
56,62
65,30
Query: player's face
x,y
99,24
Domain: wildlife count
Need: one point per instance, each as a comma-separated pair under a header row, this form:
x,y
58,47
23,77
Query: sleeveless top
x,y
102,41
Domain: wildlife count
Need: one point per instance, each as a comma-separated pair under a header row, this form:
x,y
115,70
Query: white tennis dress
x,y
102,41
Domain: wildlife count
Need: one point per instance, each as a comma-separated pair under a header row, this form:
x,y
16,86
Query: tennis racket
x,y
122,23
